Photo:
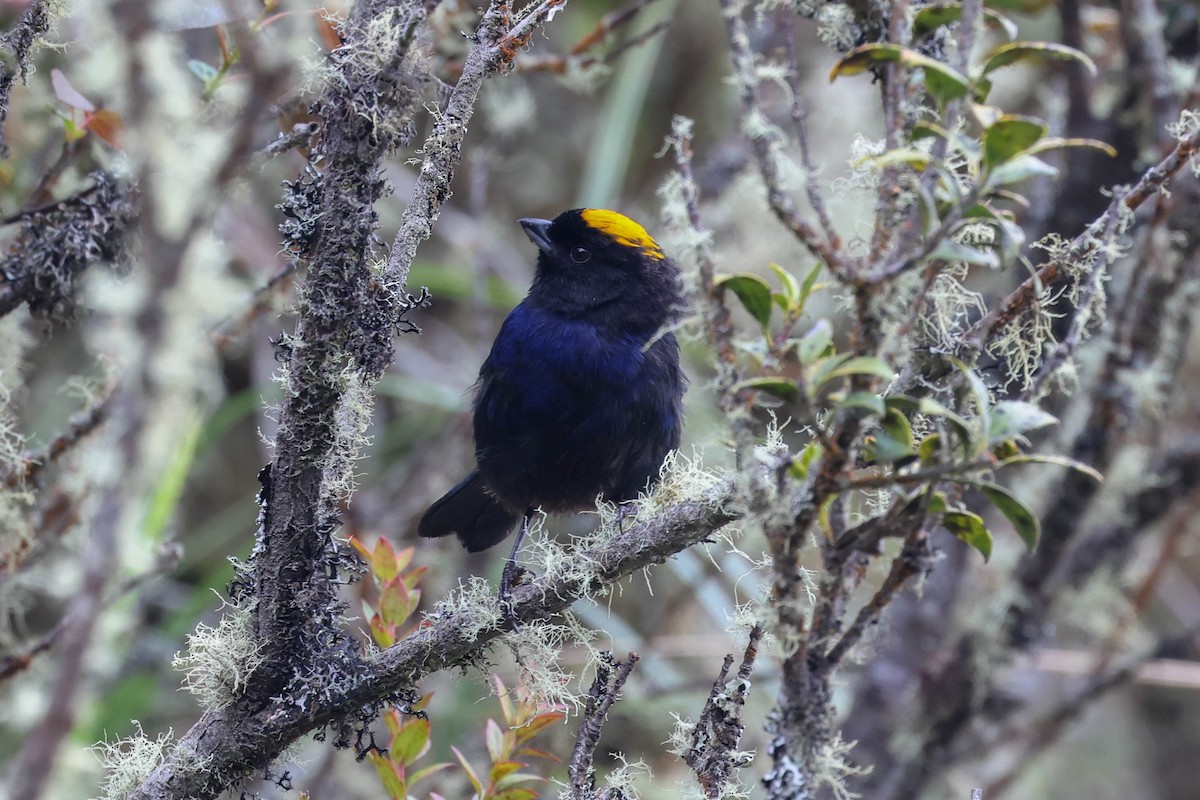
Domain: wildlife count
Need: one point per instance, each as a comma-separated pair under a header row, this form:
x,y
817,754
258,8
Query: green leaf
x,y
791,286
913,157
166,492
929,448
810,283
427,771
1010,136
981,397
902,402
495,742
883,449
867,401
858,365
970,528
391,775
1007,54
782,388
1011,418
1019,169
411,742
813,344
897,427
1058,143
932,408
1058,461
935,15
894,442
945,84
802,463
1023,520
753,291
396,602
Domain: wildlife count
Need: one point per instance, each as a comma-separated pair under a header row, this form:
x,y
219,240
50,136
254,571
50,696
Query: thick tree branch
x,y
229,743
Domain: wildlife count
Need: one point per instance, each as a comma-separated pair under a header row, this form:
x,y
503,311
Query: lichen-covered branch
x,y
229,743
606,688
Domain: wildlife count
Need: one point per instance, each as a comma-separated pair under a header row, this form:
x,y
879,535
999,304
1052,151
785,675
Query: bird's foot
x,y
512,577
625,510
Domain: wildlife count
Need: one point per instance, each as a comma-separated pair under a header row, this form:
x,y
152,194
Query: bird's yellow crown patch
x,y
622,230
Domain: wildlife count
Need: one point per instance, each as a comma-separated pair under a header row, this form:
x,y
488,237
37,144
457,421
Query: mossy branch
x,y
227,744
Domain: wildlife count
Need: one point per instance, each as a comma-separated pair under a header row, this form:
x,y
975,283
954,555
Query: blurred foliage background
x,y
541,142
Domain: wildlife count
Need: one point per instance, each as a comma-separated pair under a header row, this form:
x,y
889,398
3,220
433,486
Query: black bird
x,y
582,391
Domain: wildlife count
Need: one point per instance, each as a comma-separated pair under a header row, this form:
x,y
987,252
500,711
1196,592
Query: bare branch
x,y
606,689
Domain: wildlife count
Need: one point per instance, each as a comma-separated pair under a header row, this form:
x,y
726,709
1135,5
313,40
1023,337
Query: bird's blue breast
x,y
565,408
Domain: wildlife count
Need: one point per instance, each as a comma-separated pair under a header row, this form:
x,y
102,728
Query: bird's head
x,y
602,265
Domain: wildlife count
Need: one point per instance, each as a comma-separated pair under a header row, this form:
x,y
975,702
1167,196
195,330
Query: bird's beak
x,y
538,231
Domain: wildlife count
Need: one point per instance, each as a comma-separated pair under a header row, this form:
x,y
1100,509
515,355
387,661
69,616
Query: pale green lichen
x,y
537,650
830,767
351,421
472,605
129,761
219,661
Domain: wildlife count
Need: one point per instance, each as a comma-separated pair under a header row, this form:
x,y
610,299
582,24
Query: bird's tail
x,y
470,511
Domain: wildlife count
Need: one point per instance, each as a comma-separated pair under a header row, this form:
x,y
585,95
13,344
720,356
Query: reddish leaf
x,y
537,725
327,30
413,576
495,741
384,560
107,124
383,633
515,794
393,721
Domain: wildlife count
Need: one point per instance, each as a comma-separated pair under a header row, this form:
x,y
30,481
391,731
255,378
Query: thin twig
x,y
1151,182
494,53
606,690
782,204
713,754
34,462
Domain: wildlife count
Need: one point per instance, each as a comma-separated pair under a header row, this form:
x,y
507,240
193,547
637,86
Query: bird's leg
x,y
512,571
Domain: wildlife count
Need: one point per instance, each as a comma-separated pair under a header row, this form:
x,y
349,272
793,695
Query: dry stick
x,y
606,689
301,136
800,125
1151,182
718,323
34,462
718,733
908,252
607,24
912,560
782,204
894,132
443,148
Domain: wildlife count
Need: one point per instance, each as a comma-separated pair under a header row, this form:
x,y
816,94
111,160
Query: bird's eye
x,y
580,254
